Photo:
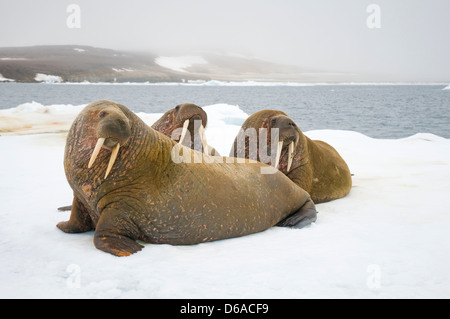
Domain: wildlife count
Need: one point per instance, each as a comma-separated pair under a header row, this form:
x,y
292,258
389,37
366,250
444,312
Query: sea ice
x,y
389,238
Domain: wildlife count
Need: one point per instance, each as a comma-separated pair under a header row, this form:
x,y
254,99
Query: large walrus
x,y
313,165
193,120
128,187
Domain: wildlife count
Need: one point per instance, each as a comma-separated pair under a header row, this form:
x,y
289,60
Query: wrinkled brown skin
x,y
317,167
175,118
150,198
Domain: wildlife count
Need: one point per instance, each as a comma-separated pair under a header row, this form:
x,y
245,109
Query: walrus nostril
x,y
121,123
115,130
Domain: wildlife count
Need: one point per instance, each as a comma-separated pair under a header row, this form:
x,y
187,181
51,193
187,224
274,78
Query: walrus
x,y
313,165
127,187
193,120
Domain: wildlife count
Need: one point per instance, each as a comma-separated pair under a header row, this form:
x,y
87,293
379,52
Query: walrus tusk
x,y
203,137
183,133
113,158
290,156
97,149
277,159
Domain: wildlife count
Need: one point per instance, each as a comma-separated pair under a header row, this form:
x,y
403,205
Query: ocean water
x,y
379,111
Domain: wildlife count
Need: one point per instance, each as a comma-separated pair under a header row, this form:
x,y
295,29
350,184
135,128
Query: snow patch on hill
x,y
180,63
3,79
45,78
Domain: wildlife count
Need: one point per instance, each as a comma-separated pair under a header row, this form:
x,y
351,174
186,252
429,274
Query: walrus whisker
x,y
113,158
290,156
183,133
277,159
97,149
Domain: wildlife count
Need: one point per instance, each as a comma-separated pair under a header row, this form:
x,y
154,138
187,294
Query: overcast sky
x,y
414,38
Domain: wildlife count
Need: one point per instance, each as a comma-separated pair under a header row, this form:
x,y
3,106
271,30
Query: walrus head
x,y
100,133
112,129
289,136
182,116
289,139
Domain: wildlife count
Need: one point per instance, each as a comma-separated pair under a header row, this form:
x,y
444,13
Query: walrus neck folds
x,y
165,124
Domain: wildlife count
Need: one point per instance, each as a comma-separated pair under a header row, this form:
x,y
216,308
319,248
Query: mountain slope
x,y
80,63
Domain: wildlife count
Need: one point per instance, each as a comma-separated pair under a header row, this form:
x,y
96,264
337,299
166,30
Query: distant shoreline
x,y
240,83
74,64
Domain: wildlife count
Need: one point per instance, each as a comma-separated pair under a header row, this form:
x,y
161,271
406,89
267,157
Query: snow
x,y
3,79
234,83
247,83
122,70
447,87
79,50
195,82
224,123
200,83
40,77
13,59
389,238
37,118
179,63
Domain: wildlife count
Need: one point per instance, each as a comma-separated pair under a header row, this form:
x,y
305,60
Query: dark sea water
x,y
380,111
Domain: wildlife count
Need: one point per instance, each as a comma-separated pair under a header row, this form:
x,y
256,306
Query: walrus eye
x,y
273,122
102,114
177,108
292,124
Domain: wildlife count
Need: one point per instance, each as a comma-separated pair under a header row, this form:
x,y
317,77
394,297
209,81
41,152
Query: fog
x,y
408,39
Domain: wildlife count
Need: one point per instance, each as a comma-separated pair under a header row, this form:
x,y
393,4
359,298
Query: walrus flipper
x,y
65,208
305,216
80,221
115,235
